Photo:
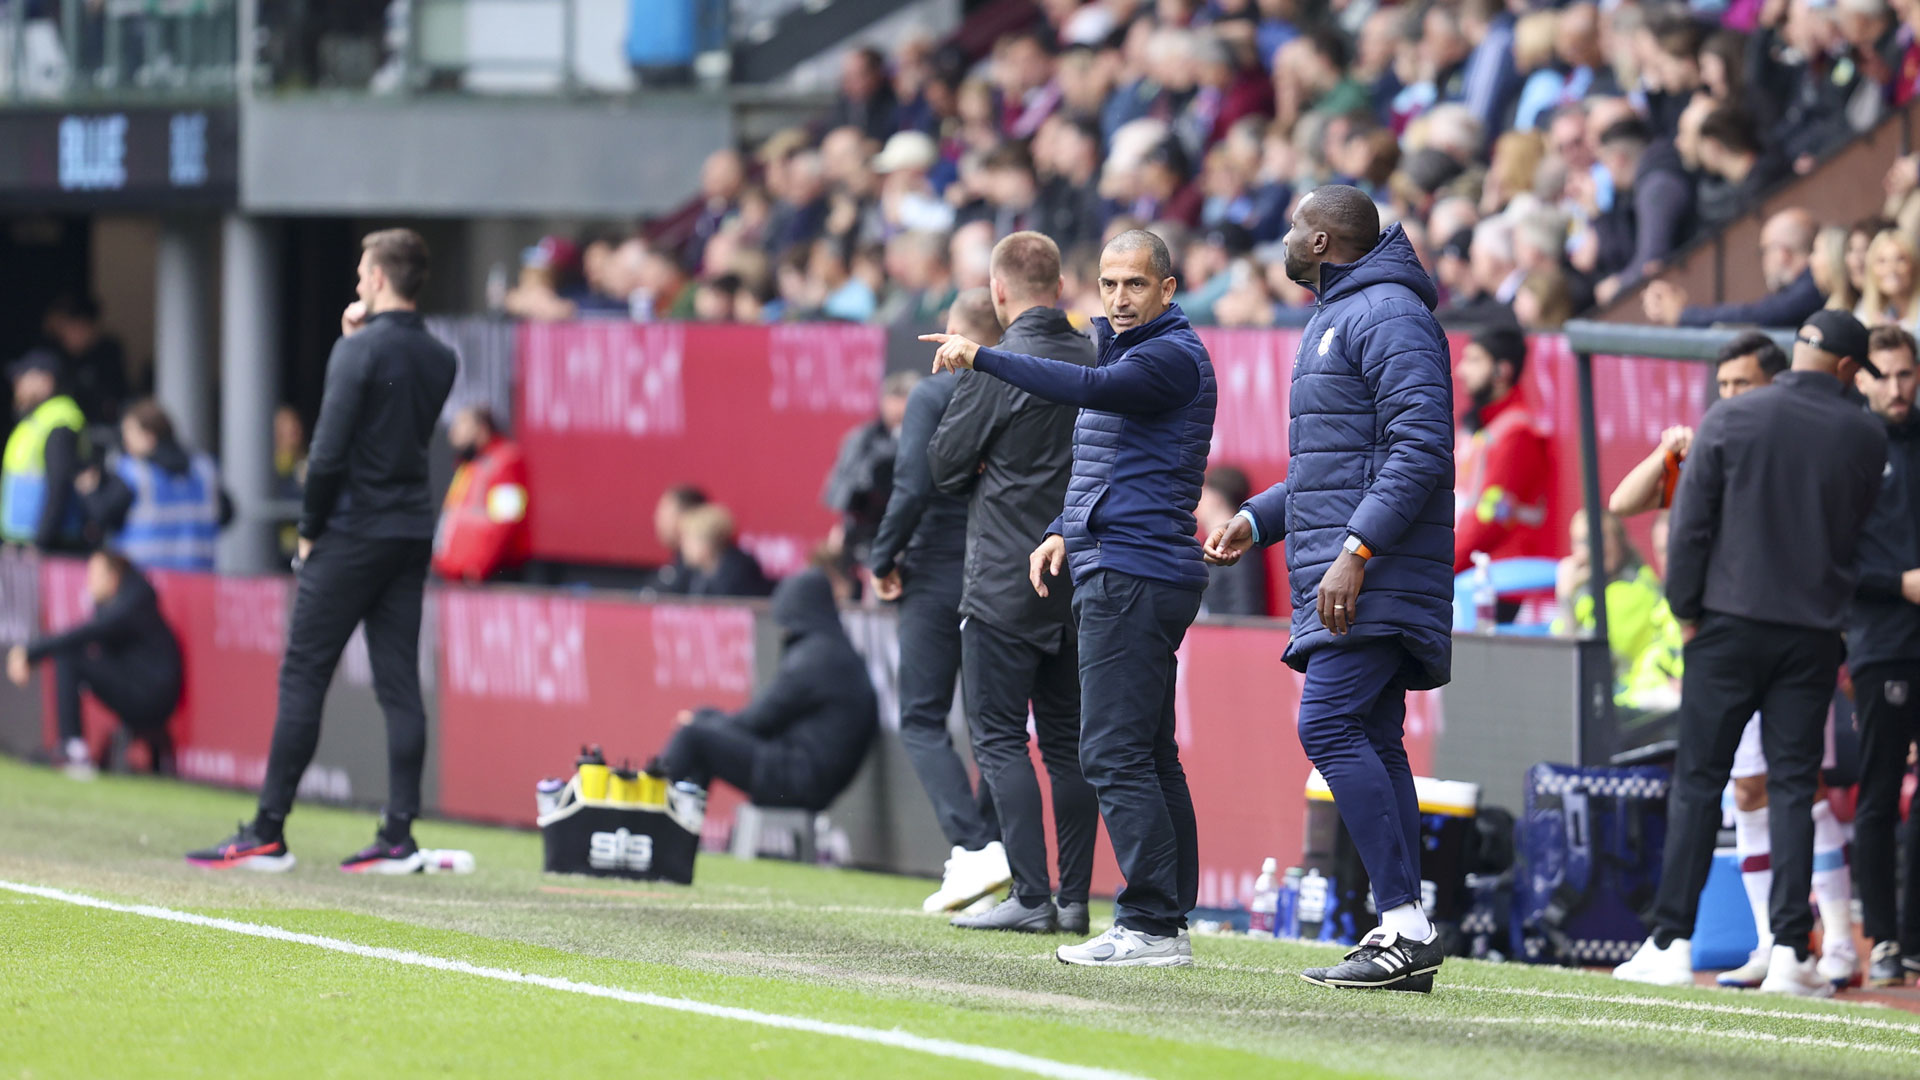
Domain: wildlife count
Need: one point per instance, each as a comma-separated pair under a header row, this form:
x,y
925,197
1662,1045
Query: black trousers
x,y
1735,666
1130,633
929,665
142,703
347,581
1003,674
1886,699
708,750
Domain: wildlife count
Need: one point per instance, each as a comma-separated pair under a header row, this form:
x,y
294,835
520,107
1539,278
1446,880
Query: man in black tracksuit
x,y
918,559
1883,652
125,655
1766,529
366,537
1015,452
800,741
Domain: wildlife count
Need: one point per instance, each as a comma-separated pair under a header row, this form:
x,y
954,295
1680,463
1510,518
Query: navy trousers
x,y
1353,712
1130,630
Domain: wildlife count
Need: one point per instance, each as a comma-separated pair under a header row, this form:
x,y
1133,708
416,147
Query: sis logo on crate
x,y
621,850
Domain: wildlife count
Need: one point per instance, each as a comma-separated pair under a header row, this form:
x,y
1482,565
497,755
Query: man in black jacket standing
x,y
366,536
1014,451
125,655
1761,563
1883,653
918,559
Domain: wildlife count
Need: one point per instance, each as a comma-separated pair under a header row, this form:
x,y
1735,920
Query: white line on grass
x,y
1842,1019
983,1055
1613,1024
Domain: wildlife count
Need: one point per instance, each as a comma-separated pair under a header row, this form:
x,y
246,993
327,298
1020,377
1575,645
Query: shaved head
x,y
972,317
1332,224
1136,279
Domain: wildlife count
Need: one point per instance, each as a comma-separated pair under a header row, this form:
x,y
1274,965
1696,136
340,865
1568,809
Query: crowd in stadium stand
x,y
1541,159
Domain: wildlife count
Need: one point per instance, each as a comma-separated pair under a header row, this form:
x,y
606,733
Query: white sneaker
x,y
1750,974
78,762
1671,966
1839,961
1121,947
970,875
1788,974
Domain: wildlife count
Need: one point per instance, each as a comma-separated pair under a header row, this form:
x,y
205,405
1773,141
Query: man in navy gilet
x,y
1367,514
1127,532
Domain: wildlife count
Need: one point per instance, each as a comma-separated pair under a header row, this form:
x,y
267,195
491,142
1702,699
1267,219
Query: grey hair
x,y
1159,259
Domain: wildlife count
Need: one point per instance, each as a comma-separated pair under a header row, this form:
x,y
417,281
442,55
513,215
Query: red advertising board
x,y
611,414
528,678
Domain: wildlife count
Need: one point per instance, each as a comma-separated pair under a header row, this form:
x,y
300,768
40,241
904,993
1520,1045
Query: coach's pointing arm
x,y
1149,379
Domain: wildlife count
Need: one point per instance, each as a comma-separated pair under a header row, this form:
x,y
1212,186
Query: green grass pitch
x,y
86,992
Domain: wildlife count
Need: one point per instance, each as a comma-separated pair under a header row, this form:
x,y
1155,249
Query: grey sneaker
x,y
1886,969
1121,947
1073,918
1011,914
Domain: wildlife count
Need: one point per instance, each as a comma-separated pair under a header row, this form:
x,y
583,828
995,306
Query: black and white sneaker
x,y
1384,961
385,857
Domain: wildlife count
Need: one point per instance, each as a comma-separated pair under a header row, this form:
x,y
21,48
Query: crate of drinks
x,y
623,823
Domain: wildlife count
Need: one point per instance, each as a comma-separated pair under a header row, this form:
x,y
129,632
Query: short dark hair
x,y
1330,45
1008,155
483,416
1770,356
1231,482
152,419
1028,263
1732,128
1890,336
1159,259
121,566
1506,343
79,306
401,254
1349,216
685,496
1632,131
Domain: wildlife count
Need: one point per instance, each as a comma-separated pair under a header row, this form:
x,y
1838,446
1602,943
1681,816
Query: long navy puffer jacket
x,y
1371,445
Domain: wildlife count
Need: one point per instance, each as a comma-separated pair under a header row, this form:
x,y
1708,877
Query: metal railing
x,y
80,51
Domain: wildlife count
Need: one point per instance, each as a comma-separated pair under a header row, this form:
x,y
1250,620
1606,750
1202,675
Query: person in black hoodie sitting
x,y
1652,211
800,741
713,562
126,655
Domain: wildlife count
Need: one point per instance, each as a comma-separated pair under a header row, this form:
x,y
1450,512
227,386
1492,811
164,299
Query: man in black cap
x,y
1761,570
1503,461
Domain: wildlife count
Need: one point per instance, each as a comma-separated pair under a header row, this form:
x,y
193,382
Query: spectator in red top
x,y
483,525
1504,462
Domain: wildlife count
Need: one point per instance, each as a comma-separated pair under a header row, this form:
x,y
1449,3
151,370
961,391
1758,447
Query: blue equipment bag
x,y
1590,847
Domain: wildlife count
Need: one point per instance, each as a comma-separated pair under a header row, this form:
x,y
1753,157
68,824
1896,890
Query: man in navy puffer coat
x,y
1127,531
1367,514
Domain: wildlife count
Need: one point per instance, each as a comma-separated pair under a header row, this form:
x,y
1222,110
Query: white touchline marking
x,y
1618,1025
900,1040
1842,1019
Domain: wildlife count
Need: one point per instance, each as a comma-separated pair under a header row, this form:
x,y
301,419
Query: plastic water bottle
x,y
1313,905
1286,920
1266,901
1486,601
446,861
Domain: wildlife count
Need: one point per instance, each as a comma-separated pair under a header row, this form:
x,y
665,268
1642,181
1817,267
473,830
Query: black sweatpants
x,y
1130,633
929,665
347,581
1735,666
142,702
1002,675
1886,700
711,749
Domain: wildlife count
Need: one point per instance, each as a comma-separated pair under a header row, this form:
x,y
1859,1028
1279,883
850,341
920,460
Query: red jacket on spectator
x,y
1504,472
483,524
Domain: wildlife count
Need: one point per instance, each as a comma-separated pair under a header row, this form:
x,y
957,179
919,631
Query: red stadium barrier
x,y
612,413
